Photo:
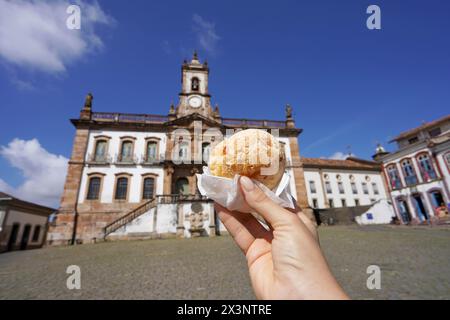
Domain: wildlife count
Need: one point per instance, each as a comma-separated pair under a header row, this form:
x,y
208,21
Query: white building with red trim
x,y
418,172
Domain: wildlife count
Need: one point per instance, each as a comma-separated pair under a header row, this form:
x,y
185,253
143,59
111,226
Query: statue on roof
x,y
288,111
88,101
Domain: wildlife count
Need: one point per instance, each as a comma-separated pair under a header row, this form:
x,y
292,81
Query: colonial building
x,y
133,175
23,225
418,172
343,183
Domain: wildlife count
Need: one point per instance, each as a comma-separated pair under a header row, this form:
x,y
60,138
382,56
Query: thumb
x,y
258,201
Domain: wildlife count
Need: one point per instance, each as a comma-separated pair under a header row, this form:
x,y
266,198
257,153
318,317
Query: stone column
x,y
180,220
167,187
212,221
61,231
193,181
299,176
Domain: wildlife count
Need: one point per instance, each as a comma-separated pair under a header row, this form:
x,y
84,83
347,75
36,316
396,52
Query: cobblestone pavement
x,y
415,264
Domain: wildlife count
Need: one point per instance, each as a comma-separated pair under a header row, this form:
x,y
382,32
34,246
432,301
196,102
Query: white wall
x,y
359,178
24,218
381,212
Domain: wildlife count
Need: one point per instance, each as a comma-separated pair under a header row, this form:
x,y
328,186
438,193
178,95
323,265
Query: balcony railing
x,y
127,117
428,175
146,160
99,159
128,160
411,180
154,118
253,123
396,184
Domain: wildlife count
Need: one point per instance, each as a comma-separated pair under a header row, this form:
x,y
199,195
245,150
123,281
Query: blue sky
x,y
348,85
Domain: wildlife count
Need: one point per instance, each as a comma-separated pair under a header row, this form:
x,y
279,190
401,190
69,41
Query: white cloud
x,y
206,33
44,172
340,156
33,34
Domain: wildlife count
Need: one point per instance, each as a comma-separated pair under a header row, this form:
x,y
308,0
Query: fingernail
x,y
247,184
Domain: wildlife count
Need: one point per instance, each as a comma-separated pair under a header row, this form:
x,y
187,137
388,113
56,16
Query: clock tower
x,y
194,96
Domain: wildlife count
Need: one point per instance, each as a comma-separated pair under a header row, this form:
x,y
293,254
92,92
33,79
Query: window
x,y
328,186
36,233
195,86
149,187
375,188
121,188
365,189
354,188
341,188
182,186
343,202
426,168
314,201
372,200
126,152
356,202
312,187
394,178
100,151
152,150
331,202
206,147
94,188
447,159
413,140
435,132
183,152
408,171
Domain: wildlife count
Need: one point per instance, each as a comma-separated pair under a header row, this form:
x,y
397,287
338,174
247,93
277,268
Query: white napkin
x,y
227,192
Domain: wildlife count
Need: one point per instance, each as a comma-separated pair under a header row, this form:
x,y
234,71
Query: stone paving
x,y
414,261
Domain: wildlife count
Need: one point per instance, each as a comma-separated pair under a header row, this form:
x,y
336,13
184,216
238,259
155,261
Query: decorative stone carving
x,y
196,220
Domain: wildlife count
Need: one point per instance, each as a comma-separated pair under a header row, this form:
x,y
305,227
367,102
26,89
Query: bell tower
x,y
194,95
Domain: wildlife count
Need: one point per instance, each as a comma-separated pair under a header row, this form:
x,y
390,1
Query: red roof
x,y
424,126
350,163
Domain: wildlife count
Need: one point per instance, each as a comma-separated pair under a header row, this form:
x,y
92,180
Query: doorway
x,y
25,237
437,198
405,214
420,207
13,237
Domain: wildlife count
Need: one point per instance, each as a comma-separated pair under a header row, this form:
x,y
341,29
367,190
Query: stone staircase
x,y
130,216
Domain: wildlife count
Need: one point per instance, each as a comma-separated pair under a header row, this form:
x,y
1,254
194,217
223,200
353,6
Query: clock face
x,y
195,102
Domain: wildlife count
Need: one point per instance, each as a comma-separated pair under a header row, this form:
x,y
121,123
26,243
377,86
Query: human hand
x,y
285,262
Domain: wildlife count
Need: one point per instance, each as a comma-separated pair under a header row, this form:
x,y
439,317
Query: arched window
x,y
94,188
206,147
148,188
195,84
100,150
182,186
183,152
426,168
152,149
121,188
394,177
126,152
408,171
447,160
